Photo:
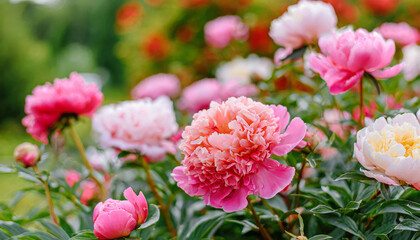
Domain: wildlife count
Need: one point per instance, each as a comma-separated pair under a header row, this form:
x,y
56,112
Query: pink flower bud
x,y
72,177
115,218
27,153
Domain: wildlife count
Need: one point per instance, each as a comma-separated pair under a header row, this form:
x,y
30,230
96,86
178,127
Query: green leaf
x,y
244,223
345,223
206,224
86,235
409,225
12,227
374,82
320,237
296,54
55,230
356,177
153,214
3,235
36,235
323,209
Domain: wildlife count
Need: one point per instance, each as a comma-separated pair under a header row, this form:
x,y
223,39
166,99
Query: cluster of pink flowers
x,y
222,30
227,150
48,103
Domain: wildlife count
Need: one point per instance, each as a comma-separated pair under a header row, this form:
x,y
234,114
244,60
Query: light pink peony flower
x,y
143,125
115,219
73,177
227,150
401,33
349,54
156,86
27,153
390,149
222,30
303,23
49,102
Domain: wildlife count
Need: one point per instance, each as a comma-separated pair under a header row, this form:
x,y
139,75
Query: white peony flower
x,y
390,149
102,160
411,61
303,23
243,69
143,125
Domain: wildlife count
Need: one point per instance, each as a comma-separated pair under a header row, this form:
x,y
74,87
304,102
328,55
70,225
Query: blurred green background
x,y
121,42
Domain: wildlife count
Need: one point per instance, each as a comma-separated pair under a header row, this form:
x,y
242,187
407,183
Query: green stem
x,y
361,103
81,149
162,205
47,195
263,232
302,168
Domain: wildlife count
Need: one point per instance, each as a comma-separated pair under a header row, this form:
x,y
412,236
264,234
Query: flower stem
x,y
263,232
361,103
47,195
280,223
81,149
163,207
299,180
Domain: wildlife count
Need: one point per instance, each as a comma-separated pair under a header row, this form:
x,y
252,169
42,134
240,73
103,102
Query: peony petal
x,y
272,177
114,224
387,72
281,54
140,204
292,137
380,177
236,200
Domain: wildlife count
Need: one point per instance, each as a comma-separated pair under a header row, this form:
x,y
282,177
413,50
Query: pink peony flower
x,y
303,23
349,54
89,191
156,86
222,30
390,150
49,102
227,150
115,219
143,125
27,153
73,177
401,33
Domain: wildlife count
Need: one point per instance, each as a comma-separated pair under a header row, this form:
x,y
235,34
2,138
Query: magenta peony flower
x,y
222,30
115,219
303,23
143,125
27,153
401,33
73,177
156,86
227,150
49,102
349,54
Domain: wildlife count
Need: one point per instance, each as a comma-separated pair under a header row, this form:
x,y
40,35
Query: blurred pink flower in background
x,y
369,111
198,95
222,30
401,33
391,103
390,149
103,160
73,177
347,55
143,125
227,150
90,191
115,219
27,153
303,23
49,102
411,61
156,86
332,119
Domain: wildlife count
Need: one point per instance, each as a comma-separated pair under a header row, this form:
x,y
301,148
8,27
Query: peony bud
x,y
27,153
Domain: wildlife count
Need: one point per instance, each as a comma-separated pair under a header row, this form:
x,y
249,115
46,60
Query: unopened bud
x,y
28,154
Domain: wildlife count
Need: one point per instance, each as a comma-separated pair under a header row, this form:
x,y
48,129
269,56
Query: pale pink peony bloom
x,y
411,61
401,33
222,30
156,86
116,219
49,102
73,177
332,119
349,54
142,125
303,23
227,150
390,149
27,153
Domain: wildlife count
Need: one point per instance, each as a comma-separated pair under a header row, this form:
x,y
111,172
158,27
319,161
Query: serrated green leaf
x,y
153,216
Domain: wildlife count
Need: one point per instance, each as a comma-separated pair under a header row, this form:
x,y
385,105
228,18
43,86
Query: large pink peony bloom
x,y
115,219
390,150
227,150
349,54
222,30
303,23
49,102
401,33
156,86
143,125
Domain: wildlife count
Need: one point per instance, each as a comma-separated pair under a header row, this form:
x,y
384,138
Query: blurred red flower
x,y
259,40
128,15
381,7
344,10
156,46
193,3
